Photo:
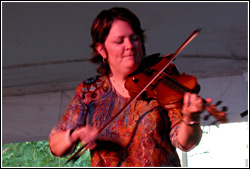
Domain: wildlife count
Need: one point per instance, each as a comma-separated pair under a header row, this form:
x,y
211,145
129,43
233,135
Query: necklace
x,y
120,88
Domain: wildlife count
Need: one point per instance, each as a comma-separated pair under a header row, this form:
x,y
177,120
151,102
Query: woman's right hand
x,y
86,135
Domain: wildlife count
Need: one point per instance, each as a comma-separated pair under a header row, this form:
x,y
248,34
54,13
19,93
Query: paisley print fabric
x,y
144,134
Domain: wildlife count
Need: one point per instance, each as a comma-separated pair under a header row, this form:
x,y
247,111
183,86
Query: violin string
x,y
175,85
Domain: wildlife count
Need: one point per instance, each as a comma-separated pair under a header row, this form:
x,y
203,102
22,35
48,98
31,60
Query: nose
x,y
129,45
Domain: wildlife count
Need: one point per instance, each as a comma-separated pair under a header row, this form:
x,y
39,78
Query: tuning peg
x,y
207,117
218,103
224,108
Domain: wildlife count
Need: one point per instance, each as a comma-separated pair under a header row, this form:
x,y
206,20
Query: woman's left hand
x,y
192,106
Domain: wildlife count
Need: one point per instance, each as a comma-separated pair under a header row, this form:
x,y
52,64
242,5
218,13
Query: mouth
x,y
129,55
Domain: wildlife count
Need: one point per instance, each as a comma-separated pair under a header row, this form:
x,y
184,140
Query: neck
x,y
118,79
118,82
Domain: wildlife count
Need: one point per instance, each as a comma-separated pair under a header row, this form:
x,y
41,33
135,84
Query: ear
x,y
101,50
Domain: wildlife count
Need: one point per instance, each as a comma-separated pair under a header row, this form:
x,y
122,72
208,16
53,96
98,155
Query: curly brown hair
x,y
100,30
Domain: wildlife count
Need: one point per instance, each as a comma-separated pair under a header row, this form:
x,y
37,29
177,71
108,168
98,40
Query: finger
x,y
92,145
186,99
196,104
194,97
209,100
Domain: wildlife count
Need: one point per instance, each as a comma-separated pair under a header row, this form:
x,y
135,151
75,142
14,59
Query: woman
x,y
145,134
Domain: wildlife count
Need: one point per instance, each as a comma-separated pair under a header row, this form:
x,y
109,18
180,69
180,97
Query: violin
x,y
152,78
169,87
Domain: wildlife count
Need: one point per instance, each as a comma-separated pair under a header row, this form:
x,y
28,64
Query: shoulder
x,y
93,87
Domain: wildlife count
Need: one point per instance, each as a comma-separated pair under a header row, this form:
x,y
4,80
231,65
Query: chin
x,y
131,65
131,69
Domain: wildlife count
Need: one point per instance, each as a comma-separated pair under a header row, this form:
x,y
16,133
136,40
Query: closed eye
x,y
134,37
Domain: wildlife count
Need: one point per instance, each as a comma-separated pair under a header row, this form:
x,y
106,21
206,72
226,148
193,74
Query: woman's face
x,y
122,48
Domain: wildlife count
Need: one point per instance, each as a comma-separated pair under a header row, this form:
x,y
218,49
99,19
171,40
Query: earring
x,y
104,61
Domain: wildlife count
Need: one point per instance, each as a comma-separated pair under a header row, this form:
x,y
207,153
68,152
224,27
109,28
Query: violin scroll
x,y
220,116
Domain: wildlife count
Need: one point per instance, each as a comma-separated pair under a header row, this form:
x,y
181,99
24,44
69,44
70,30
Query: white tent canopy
x,y
46,50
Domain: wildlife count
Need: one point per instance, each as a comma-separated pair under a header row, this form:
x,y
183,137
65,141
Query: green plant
x,y
37,154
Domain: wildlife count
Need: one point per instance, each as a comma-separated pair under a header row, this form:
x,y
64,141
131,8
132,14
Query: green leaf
x,y
37,154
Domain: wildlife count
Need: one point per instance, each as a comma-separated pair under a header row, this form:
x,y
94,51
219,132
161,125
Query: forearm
x,y
61,143
189,135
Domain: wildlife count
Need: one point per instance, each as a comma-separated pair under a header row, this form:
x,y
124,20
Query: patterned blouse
x,y
143,135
